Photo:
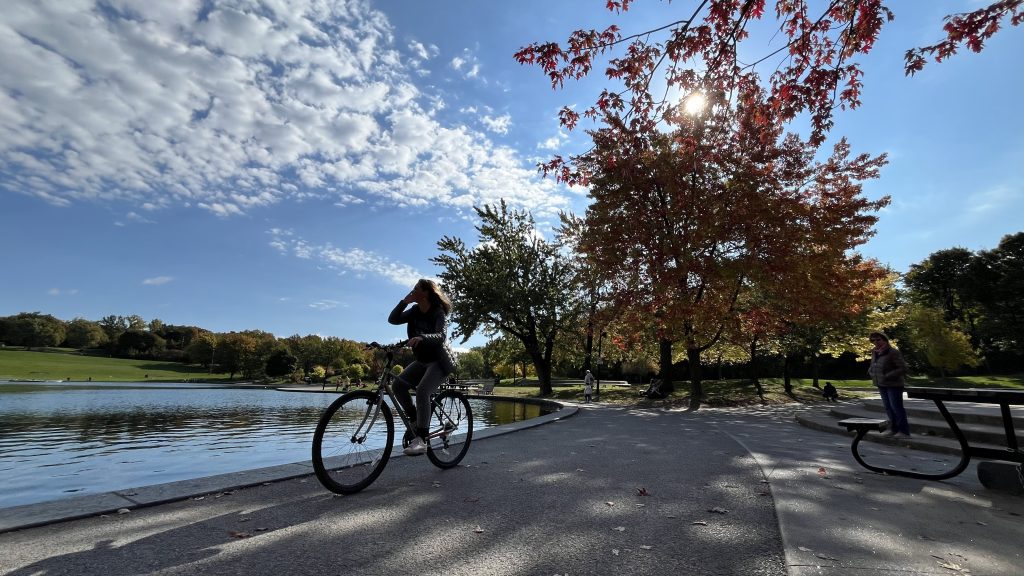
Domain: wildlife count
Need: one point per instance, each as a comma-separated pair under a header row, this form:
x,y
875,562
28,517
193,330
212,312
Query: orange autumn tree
x,y
683,223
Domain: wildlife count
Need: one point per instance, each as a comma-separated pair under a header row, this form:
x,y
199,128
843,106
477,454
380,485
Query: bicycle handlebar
x,y
386,347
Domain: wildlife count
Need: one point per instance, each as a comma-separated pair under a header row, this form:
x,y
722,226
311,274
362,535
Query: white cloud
x,y
233,106
423,52
553,143
157,280
53,291
993,200
497,124
324,305
467,64
352,260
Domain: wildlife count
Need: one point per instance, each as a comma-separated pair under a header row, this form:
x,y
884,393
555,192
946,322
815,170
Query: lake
x,y
61,439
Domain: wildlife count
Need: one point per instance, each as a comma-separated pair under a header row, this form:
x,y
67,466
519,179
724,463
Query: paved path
x,y
728,492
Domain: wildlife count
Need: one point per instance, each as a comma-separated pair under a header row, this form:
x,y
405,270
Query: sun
x,y
694,103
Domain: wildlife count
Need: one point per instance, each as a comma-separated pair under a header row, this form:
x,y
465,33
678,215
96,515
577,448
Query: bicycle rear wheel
x,y
352,442
451,429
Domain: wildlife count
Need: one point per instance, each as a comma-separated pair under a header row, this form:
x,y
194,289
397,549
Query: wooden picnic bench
x,y
1008,474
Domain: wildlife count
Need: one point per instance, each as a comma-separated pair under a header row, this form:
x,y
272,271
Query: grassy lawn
x,y
742,393
60,364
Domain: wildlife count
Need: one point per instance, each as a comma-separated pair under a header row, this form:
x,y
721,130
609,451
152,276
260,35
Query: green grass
x,y
61,364
742,392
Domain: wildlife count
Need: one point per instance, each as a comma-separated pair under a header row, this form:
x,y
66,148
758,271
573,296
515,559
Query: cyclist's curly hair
x,y
436,295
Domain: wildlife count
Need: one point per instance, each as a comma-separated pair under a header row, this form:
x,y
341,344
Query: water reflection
x,y
62,440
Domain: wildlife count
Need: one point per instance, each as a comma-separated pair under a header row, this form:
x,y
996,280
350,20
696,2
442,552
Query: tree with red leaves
x,y
814,71
683,223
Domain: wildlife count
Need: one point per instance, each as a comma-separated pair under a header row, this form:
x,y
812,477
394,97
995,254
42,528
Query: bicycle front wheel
x,y
352,442
451,429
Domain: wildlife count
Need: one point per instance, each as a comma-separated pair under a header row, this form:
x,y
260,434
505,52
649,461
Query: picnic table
x,y
1009,473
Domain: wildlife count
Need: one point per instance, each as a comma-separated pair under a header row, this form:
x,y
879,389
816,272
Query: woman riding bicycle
x,y
428,336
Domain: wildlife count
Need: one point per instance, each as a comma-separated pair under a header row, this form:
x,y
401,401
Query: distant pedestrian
x,y
588,386
888,372
829,392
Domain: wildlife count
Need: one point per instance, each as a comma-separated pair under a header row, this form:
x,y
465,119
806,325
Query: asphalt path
x,y
611,490
608,491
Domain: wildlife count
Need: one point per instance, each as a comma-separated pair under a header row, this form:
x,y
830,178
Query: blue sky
x,y
290,165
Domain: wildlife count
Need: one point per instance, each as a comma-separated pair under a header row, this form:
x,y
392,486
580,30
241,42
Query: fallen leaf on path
x,y
822,472
699,523
980,523
640,505
236,534
826,557
199,498
609,503
471,499
642,492
478,529
951,566
718,510
261,529
646,547
620,528
615,551
123,511
244,519
802,549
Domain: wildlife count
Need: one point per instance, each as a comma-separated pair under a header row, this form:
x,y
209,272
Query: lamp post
x,y
600,361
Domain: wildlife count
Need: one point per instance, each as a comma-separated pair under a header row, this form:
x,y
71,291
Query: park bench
x,y
1004,471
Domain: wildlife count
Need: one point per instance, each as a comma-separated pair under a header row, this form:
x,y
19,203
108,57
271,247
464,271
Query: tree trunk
x,y
755,375
814,369
665,362
787,384
541,363
696,386
589,349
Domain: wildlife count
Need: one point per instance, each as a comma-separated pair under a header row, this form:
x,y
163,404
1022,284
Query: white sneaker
x,y
416,448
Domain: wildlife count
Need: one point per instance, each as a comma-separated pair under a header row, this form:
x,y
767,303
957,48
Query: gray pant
x,y
425,378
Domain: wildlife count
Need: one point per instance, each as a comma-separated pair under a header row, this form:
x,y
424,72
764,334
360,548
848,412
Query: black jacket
x,y
432,326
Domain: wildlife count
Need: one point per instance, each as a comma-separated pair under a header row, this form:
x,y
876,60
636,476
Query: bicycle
x,y
354,437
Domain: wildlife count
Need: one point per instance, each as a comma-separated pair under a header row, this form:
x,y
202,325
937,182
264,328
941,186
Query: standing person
x,y
588,386
428,336
888,371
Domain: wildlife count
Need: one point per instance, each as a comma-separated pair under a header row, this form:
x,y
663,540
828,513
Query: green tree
x,y
947,280
34,330
471,364
135,322
134,342
82,333
113,326
999,279
513,281
945,347
281,363
201,349
356,372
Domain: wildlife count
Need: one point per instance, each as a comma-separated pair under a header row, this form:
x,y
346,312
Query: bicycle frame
x,y
385,388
